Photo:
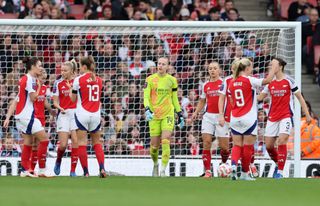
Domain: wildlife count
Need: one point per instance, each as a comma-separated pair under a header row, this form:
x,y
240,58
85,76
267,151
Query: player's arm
x,y
221,102
270,76
263,94
175,102
199,108
34,94
146,94
10,112
74,89
47,105
56,103
303,105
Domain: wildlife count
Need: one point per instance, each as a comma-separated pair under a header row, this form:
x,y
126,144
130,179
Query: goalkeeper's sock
x,y
60,154
154,152
282,156
33,159
235,154
25,157
206,158
83,157
273,153
74,159
246,157
100,155
42,154
224,155
165,153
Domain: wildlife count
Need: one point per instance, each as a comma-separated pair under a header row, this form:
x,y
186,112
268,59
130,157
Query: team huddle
x,y
230,111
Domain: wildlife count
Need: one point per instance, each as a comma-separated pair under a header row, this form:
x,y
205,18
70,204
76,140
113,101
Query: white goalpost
x,y
125,53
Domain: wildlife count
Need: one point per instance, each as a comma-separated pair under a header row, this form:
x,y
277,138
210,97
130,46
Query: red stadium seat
x,y
316,54
76,9
8,16
313,2
284,7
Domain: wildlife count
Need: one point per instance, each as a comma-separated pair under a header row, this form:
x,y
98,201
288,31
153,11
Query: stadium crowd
x,y
124,62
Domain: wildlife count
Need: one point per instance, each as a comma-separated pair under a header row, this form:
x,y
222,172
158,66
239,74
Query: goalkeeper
x,y
161,101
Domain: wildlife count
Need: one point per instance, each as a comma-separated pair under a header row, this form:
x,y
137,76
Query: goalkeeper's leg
x,y
155,132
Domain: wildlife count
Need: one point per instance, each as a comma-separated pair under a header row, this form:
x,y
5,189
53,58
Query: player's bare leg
x,y
248,149
97,146
43,138
165,144
236,154
25,156
154,152
83,156
273,152
74,153
282,154
206,154
63,139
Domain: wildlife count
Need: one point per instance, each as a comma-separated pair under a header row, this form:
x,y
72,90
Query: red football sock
x,y
100,155
273,153
83,157
235,154
25,157
252,151
33,159
206,158
282,156
42,153
224,155
246,157
74,159
60,154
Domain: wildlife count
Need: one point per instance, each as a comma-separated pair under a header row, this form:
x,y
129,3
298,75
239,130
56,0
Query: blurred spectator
x,y
131,101
12,78
136,66
233,15
29,46
201,10
252,47
147,12
214,15
158,13
261,62
46,9
10,148
26,10
228,4
107,13
305,16
55,13
37,12
172,9
6,6
310,140
184,14
297,8
75,49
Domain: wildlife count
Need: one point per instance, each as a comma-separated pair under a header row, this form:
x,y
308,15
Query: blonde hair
x,y
240,66
72,65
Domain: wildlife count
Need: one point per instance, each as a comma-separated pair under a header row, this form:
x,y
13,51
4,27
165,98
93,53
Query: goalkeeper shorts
x,y
158,125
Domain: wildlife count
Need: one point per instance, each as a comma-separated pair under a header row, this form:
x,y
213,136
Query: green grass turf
x,y
141,191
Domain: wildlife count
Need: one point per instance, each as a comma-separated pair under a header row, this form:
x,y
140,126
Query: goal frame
x,y
196,24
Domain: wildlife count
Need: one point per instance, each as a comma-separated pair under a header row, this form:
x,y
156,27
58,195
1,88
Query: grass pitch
x,y
145,191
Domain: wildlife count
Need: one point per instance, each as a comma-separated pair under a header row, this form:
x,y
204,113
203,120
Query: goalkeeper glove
x,y
180,120
149,114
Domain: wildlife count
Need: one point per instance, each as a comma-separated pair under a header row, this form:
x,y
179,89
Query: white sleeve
x,y
55,89
293,86
203,95
265,89
31,84
76,85
223,88
255,82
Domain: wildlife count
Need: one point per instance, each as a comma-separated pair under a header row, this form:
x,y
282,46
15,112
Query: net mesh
x,y
125,56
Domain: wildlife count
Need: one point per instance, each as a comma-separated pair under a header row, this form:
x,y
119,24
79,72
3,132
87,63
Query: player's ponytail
x,y
29,62
241,66
89,63
72,65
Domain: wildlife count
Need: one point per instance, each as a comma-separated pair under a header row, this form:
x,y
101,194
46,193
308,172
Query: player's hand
x,y
62,111
181,122
53,112
6,123
39,84
194,116
149,114
221,120
308,119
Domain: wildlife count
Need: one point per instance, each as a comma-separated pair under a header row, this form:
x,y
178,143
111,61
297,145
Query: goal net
x,y
125,54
